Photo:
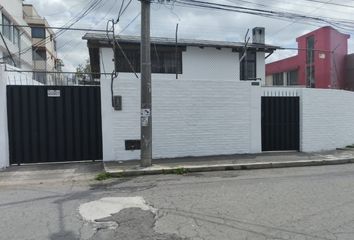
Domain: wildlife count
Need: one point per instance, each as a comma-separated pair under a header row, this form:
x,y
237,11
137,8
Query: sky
x,y
194,23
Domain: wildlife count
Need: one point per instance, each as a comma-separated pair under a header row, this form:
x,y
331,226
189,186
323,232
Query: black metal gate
x,y
280,123
54,123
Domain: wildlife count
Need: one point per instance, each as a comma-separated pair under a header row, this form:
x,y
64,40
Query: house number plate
x,y
53,93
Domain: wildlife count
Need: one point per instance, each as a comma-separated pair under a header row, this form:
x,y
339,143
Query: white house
x,y
189,58
17,39
201,103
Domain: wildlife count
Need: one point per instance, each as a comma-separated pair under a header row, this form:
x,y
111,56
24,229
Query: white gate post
x,y
4,141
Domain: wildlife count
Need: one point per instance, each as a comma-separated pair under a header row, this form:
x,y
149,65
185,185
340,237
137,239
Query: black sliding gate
x,y
54,123
280,123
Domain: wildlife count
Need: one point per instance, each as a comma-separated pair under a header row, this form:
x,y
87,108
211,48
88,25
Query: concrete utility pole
x,y
146,113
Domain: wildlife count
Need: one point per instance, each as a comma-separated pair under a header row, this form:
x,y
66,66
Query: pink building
x,y
320,62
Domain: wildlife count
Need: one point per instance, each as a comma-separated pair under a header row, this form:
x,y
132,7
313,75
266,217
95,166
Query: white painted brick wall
x,y
190,118
326,116
327,119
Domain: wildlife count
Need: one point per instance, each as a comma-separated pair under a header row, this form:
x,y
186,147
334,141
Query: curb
x,y
223,167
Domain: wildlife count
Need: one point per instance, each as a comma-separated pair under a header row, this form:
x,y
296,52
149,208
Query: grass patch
x,y
179,171
103,176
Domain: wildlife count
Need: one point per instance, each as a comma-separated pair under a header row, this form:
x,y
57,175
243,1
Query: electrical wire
x,y
133,20
344,24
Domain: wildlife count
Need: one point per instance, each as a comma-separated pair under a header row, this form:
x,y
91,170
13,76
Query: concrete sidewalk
x,y
57,173
234,162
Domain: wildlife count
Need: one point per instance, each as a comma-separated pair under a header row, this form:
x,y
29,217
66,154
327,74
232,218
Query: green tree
x,y
83,72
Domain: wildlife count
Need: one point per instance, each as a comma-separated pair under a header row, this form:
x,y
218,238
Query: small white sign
x,y
144,121
145,112
322,55
53,93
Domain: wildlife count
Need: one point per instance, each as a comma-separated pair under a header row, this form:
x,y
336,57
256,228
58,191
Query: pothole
x,y
127,218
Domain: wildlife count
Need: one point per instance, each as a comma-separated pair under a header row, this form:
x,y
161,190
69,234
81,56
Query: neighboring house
x,y
18,39
190,59
320,62
44,45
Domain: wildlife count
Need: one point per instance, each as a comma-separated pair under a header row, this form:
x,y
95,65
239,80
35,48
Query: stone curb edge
x,y
224,167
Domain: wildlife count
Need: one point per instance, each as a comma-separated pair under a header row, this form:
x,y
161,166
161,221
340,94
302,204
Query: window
x,y
38,32
39,54
248,66
16,39
292,78
278,79
122,65
163,59
6,28
310,53
310,76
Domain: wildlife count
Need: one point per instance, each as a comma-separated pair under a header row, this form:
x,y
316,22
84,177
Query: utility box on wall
x,y
117,103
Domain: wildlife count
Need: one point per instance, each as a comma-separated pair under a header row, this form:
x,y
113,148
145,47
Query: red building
x,y
320,62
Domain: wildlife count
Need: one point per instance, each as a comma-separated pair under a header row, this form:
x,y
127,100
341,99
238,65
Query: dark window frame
x,y
292,78
16,36
39,54
278,79
38,32
163,59
249,65
310,53
310,76
6,28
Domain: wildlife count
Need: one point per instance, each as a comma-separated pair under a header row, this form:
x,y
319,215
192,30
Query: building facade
x,y
320,62
44,51
15,47
189,59
205,96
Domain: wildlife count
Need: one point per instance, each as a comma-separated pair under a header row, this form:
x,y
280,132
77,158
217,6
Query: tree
x,y
83,72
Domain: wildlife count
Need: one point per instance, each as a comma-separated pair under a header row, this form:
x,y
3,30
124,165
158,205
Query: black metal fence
x,y
280,123
54,123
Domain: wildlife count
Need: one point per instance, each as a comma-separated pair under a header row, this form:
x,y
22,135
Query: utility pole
x,y
145,60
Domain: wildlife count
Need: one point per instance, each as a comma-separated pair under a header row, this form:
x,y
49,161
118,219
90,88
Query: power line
x,y
93,4
344,24
61,28
126,26
331,3
96,23
288,25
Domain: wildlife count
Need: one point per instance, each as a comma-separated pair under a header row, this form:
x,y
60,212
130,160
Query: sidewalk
x,y
234,162
58,173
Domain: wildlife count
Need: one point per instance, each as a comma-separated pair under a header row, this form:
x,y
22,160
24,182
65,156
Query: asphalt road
x,y
292,203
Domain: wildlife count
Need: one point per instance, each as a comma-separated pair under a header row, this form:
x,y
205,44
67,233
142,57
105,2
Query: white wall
x,y
327,119
219,115
13,10
190,118
211,116
4,147
15,77
326,116
13,7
